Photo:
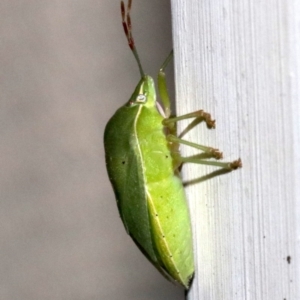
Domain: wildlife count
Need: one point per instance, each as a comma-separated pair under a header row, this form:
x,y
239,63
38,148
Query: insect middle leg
x,y
208,152
197,159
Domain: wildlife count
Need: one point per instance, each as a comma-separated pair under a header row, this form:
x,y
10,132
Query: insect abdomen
x,y
171,228
168,210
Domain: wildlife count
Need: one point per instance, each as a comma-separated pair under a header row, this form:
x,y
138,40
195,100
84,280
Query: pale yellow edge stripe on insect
x,y
150,202
150,199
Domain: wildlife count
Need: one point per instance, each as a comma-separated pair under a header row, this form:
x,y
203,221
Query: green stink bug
x,y
143,161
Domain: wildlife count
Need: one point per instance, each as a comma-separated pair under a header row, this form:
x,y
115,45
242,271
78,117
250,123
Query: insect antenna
x,y
126,22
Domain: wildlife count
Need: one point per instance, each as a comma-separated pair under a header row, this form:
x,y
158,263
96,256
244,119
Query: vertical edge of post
x,y
294,29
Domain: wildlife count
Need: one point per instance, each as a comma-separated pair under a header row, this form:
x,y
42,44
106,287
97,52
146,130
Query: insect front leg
x,y
199,115
175,141
162,86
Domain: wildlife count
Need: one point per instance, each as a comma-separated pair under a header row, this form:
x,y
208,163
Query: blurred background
x,y
65,68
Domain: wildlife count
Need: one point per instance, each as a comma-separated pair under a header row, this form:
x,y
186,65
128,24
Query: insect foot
x,y
236,164
216,153
206,118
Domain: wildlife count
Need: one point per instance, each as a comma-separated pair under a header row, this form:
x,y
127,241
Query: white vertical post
x,y
240,61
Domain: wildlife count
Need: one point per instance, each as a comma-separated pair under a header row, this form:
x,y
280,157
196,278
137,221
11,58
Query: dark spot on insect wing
x,y
288,259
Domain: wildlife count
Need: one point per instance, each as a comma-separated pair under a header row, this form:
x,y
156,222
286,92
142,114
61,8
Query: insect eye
x,y
141,98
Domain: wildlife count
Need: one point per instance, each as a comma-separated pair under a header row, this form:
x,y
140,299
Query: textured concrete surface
x,y
64,69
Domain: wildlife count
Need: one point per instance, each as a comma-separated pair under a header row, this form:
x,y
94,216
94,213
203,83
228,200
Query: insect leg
x,y
199,115
162,86
224,165
208,151
211,152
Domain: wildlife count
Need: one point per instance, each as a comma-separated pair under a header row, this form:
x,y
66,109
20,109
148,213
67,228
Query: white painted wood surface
x,y
240,61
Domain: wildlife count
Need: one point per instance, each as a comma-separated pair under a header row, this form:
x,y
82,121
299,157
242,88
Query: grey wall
x,y
64,69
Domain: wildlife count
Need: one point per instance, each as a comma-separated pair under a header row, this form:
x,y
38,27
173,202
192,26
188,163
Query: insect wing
x,y
125,172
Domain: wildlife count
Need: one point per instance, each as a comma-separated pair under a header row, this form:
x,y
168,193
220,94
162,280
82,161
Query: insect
x,y
143,161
